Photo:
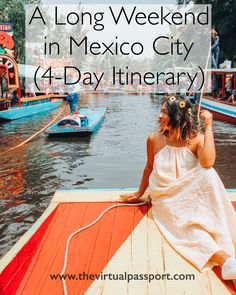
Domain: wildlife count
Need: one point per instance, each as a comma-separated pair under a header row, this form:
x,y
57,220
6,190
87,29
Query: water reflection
x,y
112,158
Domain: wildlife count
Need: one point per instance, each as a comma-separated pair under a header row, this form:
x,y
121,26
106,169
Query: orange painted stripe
x,y
51,245
81,247
14,272
89,251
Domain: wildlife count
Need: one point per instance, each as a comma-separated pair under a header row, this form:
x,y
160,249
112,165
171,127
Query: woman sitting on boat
x,y
190,205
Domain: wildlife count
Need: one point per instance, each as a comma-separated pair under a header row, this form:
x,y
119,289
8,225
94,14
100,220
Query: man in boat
x,y
215,49
14,100
228,87
73,97
232,97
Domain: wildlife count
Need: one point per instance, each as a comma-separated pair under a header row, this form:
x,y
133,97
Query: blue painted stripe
x,y
220,110
22,112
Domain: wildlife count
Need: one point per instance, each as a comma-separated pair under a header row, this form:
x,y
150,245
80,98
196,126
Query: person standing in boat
x,y
14,100
228,87
215,49
232,97
189,202
73,97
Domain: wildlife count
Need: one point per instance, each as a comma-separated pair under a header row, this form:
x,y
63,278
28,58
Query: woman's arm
x,y
146,173
148,168
206,145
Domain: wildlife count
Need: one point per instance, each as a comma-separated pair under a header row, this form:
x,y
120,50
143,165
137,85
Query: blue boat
x,y
30,107
85,122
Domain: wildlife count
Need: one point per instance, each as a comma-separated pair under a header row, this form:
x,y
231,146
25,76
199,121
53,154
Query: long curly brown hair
x,y
182,121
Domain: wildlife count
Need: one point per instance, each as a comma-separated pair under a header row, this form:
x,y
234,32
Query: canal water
x,y
114,157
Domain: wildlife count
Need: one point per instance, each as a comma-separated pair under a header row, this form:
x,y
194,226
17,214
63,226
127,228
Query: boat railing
x,y
35,100
5,103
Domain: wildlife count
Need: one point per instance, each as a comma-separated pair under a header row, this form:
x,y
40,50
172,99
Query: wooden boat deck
x,y
126,239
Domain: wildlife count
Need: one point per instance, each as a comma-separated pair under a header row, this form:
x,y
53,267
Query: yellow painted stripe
x,y
100,196
145,251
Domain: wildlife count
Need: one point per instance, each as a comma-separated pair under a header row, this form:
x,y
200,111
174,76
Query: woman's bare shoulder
x,y
150,140
156,141
156,137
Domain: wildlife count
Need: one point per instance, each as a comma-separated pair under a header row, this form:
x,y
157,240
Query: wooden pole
x,y
1,86
223,85
18,94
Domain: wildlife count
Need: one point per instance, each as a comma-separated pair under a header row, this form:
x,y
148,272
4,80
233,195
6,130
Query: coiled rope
x,y
83,228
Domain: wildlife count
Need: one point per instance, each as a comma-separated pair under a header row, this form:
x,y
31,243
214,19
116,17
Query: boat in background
x,y
12,105
124,242
83,123
221,110
29,106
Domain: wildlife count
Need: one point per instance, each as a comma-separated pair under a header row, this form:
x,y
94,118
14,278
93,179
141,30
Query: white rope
x,y
83,228
202,89
35,134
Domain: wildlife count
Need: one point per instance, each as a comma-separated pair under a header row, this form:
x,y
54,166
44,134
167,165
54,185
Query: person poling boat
x,y
190,205
73,97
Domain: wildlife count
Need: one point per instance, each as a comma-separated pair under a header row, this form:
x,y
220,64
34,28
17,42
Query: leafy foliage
x,y
12,11
223,20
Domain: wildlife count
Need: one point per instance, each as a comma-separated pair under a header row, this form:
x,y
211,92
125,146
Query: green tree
x,y
223,20
12,11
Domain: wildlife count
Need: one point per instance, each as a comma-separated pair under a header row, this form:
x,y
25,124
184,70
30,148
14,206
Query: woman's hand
x,y
206,146
131,198
207,118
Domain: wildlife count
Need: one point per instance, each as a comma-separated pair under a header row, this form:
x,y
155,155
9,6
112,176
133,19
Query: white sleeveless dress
x,y
190,206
